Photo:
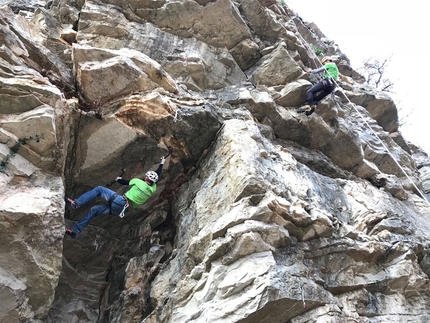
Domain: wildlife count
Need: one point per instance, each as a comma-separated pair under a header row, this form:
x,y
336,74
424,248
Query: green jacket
x,y
330,70
139,191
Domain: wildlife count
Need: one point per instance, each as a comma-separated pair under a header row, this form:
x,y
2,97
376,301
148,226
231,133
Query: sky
x,y
383,29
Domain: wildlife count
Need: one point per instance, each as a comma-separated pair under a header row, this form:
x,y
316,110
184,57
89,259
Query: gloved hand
x,y
162,160
119,177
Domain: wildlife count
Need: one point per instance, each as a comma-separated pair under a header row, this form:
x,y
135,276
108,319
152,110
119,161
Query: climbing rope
x,y
306,45
380,140
175,118
114,181
170,149
386,148
303,295
137,168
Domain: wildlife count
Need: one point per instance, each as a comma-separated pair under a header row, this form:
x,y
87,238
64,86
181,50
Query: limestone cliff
x,y
261,214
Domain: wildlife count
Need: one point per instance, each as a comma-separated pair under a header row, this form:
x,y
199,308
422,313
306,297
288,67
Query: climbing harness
x,y
388,151
124,209
110,201
383,144
306,45
329,81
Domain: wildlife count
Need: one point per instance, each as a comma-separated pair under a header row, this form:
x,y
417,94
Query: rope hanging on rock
x,y
170,149
383,144
386,148
306,45
303,295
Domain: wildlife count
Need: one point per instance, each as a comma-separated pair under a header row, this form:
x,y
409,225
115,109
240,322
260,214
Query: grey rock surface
x,y
261,214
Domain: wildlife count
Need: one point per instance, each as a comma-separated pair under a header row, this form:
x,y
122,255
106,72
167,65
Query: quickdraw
x,y
303,296
114,181
170,148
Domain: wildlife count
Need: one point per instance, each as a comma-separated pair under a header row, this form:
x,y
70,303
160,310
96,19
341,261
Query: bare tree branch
x,y
374,73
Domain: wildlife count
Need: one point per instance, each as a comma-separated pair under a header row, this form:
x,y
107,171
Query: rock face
x,y
261,214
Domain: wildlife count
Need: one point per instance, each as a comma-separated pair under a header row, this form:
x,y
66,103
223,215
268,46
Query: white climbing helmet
x,y
326,58
153,176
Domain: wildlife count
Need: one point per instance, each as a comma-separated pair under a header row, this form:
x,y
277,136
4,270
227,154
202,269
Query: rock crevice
x,y
261,214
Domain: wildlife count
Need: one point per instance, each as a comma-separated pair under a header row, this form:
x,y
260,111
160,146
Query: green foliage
x,y
14,150
283,3
318,51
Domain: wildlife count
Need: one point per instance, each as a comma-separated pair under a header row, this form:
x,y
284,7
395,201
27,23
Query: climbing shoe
x,y
71,233
312,110
72,203
304,109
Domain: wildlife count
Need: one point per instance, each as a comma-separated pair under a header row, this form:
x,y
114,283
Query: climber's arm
x,y
159,169
317,70
122,181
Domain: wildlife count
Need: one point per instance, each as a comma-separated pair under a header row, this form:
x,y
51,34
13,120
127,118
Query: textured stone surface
x,y
31,227
99,73
261,214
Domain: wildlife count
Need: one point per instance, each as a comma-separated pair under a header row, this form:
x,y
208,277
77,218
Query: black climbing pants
x,y
319,91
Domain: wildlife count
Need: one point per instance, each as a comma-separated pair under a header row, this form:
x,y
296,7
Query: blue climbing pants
x,y
319,91
115,208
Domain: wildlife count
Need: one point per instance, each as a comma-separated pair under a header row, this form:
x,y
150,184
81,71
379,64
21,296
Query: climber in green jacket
x,y
323,88
140,191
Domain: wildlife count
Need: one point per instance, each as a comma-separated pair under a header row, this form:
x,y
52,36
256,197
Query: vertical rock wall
x,y
34,136
266,239
261,214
